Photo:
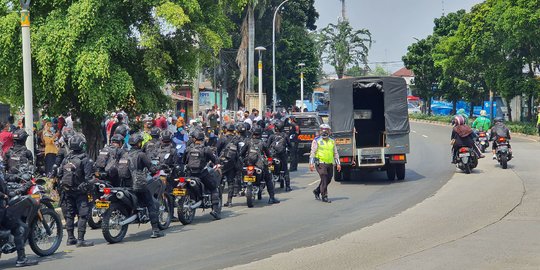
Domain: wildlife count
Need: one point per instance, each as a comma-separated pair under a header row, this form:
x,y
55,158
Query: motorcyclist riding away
x,y
462,136
482,123
499,130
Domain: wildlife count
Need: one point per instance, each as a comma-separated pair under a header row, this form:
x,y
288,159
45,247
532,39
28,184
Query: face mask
x,y
325,134
51,129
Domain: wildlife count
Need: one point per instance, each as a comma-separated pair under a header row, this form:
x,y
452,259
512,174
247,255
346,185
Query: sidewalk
x,y
485,220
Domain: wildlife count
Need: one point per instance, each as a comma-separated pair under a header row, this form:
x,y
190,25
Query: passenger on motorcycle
x,y
278,143
196,161
228,149
482,123
246,152
151,146
76,178
15,227
499,130
139,163
462,136
107,160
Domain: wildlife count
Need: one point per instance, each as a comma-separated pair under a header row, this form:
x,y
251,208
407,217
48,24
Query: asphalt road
x,y
245,235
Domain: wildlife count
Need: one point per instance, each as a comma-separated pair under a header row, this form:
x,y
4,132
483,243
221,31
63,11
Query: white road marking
x,y
414,131
311,184
425,136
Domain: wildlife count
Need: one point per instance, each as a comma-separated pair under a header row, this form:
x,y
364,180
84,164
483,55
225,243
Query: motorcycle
x,y
503,152
278,175
122,208
191,193
96,214
252,184
45,226
483,141
466,159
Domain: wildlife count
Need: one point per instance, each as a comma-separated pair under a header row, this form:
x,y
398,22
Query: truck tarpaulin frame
x,y
395,103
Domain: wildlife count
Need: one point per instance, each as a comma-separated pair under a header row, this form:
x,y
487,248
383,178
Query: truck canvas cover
x,y
395,103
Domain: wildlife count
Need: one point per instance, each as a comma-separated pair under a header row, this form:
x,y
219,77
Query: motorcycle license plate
x,y
36,196
179,192
102,204
250,179
465,155
271,167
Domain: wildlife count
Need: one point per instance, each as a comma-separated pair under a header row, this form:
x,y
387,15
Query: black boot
x,y
215,212
71,238
156,233
23,261
326,200
83,243
317,194
273,200
288,188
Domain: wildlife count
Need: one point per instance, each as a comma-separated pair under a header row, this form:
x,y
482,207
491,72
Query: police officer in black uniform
x,y
18,154
168,160
108,158
76,178
63,151
294,131
196,160
282,156
140,161
151,146
262,162
17,227
228,150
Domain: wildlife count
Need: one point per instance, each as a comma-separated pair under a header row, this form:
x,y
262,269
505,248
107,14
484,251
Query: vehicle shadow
x,y
380,179
10,263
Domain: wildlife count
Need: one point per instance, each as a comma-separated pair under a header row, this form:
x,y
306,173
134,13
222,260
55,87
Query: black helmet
x,y
122,130
20,136
117,138
261,124
77,142
198,135
166,135
241,128
135,139
498,119
230,127
154,132
279,125
257,131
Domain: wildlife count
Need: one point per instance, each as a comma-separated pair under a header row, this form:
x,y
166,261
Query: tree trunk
x,y
509,105
429,106
530,105
454,107
471,112
91,128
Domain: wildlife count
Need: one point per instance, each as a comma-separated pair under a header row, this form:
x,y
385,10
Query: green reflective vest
x,y
325,150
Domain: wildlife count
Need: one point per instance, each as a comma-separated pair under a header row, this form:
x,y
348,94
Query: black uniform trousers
x,y
75,203
326,171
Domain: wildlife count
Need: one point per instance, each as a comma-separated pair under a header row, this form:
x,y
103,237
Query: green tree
x,y
379,71
91,56
341,46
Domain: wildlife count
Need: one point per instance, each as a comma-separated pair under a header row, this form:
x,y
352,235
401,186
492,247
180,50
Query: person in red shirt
x,y
6,139
161,122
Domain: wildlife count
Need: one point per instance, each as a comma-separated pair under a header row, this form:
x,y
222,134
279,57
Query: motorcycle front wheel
x,y
185,213
110,227
46,233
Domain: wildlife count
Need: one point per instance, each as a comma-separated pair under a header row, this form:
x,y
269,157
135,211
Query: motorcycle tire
x,y
94,222
185,213
249,196
37,230
165,209
467,169
259,194
504,162
118,210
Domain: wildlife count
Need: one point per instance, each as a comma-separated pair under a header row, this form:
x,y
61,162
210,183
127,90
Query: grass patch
x,y
436,118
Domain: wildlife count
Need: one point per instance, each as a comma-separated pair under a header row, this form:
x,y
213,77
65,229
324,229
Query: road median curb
x,y
465,205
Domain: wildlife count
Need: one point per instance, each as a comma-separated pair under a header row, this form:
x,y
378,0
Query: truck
x,y
370,125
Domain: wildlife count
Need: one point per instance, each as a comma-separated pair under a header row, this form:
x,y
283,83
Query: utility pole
x,y
274,94
301,65
27,74
343,11
251,48
260,49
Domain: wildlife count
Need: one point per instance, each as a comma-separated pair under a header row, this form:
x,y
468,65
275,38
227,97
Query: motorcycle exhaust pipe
x,y
129,220
196,205
192,183
258,171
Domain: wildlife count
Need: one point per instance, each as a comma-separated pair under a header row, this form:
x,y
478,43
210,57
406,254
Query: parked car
x,y
413,109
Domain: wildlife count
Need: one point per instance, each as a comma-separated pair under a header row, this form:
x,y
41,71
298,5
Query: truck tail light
x,y
398,157
345,159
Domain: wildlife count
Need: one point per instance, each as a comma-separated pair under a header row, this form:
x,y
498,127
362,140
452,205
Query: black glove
x,y
85,187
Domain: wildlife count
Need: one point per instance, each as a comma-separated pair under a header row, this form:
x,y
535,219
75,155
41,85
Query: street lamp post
x,y
274,94
27,74
260,49
301,65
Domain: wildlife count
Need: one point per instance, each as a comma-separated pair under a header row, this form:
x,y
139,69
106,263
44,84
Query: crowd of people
x,y
150,143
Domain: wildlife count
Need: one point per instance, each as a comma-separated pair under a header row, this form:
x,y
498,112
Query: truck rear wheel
x,y
391,172
400,171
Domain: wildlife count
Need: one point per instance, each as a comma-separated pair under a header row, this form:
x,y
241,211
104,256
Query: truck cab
x,y
369,120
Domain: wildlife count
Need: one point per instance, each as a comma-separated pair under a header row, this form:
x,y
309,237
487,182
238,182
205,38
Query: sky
x,y
393,23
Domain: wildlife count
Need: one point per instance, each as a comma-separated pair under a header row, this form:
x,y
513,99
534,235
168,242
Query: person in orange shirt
x,y
49,137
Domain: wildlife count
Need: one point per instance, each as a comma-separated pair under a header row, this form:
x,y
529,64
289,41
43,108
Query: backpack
x,y
123,166
196,160
17,158
254,153
138,176
103,158
161,154
151,148
230,153
279,145
72,171
111,168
